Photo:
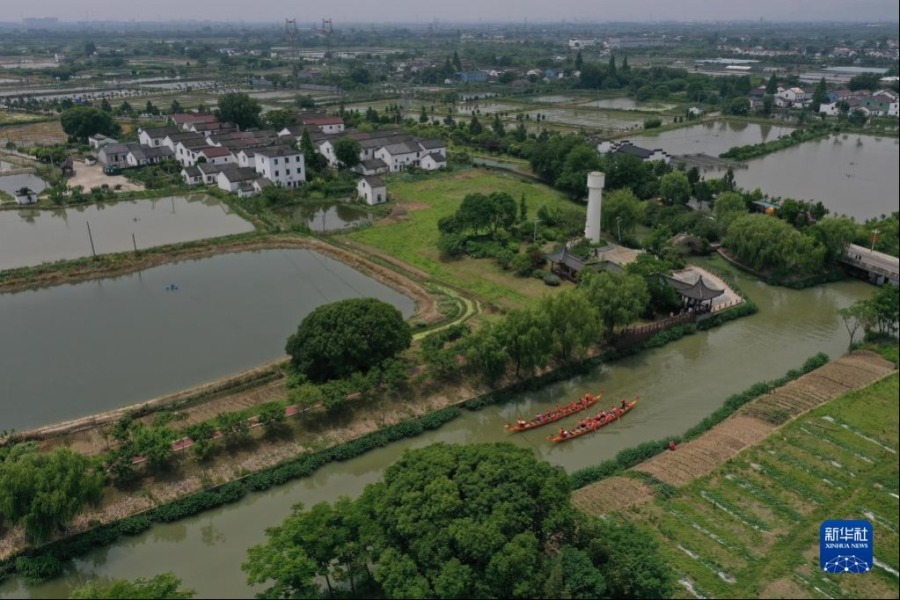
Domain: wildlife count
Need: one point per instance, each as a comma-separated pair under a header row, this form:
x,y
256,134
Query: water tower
x,y
595,181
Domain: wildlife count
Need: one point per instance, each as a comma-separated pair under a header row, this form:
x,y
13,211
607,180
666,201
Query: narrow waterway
x,y
679,384
74,350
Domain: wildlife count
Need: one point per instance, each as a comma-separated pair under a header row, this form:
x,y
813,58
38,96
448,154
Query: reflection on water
x,y
679,385
115,342
858,178
331,217
711,137
30,236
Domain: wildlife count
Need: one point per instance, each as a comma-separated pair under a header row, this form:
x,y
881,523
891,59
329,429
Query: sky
x,y
473,11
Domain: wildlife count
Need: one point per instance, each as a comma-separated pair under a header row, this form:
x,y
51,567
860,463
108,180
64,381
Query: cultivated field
x,y
46,133
750,527
411,233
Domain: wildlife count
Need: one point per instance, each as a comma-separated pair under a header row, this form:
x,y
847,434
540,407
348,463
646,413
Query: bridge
x,y
879,267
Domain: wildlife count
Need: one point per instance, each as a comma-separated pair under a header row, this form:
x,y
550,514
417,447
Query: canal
x,y
73,350
679,384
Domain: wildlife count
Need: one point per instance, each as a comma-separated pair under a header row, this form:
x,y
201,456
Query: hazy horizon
x,y
469,11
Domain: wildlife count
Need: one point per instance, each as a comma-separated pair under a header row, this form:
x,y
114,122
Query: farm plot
x,y
46,133
751,528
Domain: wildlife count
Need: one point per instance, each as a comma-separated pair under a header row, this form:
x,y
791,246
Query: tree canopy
x,y
619,299
347,150
82,122
766,243
46,490
240,109
461,521
338,339
164,586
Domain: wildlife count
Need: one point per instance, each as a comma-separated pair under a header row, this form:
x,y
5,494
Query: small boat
x,y
584,402
595,424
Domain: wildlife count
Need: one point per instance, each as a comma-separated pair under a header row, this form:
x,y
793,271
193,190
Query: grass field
x,y
411,233
751,528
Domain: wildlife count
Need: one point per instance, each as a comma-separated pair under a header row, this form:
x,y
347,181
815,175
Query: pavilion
x,y
697,296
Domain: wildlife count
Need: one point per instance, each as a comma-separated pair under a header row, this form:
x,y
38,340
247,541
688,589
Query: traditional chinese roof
x,y
698,290
566,258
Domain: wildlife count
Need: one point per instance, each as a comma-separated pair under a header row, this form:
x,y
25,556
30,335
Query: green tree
x,y
579,61
618,299
497,126
523,334
423,116
835,234
475,127
105,106
81,122
772,85
820,95
675,188
343,337
622,211
466,521
240,109
580,161
280,118
573,324
347,150
46,490
165,586
457,64
728,207
765,243
486,354
884,308
175,107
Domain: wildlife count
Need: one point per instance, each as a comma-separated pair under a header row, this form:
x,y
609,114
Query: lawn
x,y
411,233
751,528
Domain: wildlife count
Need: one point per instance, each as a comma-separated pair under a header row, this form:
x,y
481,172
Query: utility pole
x,y
91,238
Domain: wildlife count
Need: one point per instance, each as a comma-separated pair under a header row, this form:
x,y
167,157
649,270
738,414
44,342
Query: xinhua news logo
x,y
846,546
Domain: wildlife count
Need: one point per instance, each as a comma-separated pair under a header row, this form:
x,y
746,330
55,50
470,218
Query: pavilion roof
x,y
698,290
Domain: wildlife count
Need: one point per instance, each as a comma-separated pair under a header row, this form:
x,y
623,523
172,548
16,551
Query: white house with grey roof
x,y
155,136
281,165
232,177
372,189
139,155
401,156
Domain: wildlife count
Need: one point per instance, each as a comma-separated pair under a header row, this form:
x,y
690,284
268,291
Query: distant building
x,y
626,147
281,165
473,76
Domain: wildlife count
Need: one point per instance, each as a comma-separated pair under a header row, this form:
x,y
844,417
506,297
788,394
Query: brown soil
x,y
611,494
748,426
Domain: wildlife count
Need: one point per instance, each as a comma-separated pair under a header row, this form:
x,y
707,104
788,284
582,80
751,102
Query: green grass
x,y
413,238
751,528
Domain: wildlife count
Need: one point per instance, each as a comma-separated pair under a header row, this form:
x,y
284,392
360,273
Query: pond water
x,y
12,183
711,137
853,175
329,217
679,385
590,119
626,104
30,236
73,350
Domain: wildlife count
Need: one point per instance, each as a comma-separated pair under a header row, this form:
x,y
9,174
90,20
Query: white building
x,y
155,136
372,189
399,156
233,177
216,155
138,155
794,97
432,162
281,165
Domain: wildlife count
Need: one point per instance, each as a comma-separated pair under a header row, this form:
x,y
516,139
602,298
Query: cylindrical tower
x,y
595,181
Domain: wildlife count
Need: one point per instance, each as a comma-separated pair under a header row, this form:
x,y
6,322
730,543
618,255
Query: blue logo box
x,y
846,546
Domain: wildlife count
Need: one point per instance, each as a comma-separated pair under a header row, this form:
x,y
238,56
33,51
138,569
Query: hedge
x,y
48,561
630,457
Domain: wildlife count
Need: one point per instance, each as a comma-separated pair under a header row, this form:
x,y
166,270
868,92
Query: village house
x,y
192,176
323,123
231,177
187,120
626,147
432,162
246,157
113,155
400,156
99,140
155,136
281,165
376,166
372,190
138,155
794,97
215,155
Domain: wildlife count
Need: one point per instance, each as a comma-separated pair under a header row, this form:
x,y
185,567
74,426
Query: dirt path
x,y
748,426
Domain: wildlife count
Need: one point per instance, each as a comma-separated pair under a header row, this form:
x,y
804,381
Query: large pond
x,y
626,104
30,236
853,175
679,384
74,350
711,137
